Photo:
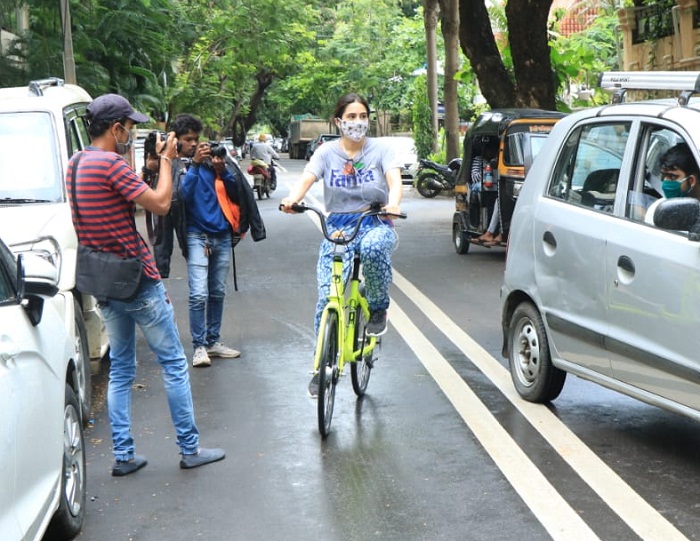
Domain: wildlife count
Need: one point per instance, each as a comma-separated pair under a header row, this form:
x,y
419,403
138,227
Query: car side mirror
x,y
36,278
682,213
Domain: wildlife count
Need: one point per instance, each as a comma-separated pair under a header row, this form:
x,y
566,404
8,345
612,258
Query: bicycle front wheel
x,y
327,372
360,369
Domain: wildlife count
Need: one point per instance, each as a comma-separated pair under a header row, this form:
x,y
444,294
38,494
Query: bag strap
x,y
74,208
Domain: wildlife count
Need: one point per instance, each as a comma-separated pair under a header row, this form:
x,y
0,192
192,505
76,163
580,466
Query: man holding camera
x,y
187,129
99,178
208,217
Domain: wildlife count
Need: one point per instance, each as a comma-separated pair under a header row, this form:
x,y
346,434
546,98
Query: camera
x,y
217,150
149,145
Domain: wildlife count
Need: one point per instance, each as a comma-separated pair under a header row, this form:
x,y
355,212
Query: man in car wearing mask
x,y
106,193
680,175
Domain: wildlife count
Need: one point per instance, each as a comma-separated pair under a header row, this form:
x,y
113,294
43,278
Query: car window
x,y
655,140
588,168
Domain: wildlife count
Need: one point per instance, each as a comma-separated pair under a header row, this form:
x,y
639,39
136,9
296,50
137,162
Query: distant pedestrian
x,y
106,193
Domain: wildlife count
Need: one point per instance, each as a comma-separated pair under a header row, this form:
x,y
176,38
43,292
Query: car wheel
x,y
535,377
82,363
461,240
68,520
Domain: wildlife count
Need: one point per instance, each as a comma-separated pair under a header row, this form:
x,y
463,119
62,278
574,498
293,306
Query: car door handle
x,y
548,238
626,264
625,270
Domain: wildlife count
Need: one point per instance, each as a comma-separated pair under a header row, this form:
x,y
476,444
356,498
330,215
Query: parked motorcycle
x,y
432,178
264,177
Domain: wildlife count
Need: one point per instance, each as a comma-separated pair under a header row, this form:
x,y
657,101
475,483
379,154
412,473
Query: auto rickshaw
x,y
500,146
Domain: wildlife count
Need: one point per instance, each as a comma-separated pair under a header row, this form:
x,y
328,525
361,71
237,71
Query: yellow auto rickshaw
x,y
498,151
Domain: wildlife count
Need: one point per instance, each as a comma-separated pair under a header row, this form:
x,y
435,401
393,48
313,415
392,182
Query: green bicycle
x,y
341,336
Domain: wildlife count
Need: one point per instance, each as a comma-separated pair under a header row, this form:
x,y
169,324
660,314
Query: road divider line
x,y
560,520
636,512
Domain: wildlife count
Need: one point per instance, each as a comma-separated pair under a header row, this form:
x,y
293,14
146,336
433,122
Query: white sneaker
x,y
201,358
217,349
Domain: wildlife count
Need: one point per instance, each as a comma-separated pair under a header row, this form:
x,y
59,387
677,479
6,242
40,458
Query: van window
x,y
28,137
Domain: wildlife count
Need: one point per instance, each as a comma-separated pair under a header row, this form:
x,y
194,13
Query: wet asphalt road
x,y
439,449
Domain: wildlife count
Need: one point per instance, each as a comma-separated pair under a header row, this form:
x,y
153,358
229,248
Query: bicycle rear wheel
x,y
361,368
327,373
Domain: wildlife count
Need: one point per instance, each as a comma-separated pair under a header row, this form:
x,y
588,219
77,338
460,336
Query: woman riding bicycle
x,y
357,171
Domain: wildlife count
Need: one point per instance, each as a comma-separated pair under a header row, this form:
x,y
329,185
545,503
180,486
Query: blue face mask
x,y
672,188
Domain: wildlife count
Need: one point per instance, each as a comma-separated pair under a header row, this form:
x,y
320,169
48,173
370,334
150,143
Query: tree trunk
x,y
479,45
450,33
532,66
239,125
430,17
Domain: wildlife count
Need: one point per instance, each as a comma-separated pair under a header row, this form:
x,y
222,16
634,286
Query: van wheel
x,y
68,520
461,240
535,377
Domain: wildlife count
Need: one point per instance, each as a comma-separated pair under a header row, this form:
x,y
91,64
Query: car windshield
x,y
29,160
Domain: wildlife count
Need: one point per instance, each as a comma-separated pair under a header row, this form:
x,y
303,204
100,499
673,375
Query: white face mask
x,y
354,129
123,148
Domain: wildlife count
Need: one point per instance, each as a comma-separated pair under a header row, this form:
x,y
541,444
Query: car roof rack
x,y
36,88
618,82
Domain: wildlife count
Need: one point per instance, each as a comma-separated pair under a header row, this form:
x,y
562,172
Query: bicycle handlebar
x,y
374,210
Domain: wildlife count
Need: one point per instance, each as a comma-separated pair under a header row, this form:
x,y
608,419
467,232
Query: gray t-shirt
x,y
352,185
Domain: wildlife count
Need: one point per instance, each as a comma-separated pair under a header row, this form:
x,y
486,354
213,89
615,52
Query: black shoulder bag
x,y
104,275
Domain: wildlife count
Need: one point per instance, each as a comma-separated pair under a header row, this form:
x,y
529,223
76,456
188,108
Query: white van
x,y
41,126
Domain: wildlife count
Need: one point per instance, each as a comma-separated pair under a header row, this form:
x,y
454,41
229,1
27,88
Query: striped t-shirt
x,y
106,187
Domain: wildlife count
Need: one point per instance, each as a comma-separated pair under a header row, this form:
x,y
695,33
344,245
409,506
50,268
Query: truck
x,y
302,130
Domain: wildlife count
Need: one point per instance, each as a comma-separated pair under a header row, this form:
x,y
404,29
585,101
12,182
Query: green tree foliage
x,y
577,59
362,46
123,46
242,48
422,127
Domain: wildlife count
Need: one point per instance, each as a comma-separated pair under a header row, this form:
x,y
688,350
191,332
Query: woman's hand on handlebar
x,y
286,205
393,211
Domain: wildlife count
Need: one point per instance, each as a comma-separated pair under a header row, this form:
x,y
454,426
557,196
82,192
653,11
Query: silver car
x,y
590,288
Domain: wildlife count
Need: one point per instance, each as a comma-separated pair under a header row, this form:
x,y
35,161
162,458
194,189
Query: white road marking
x,y
550,508
636,512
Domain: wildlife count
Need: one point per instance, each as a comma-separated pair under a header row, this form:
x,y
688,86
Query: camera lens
x,y
218,151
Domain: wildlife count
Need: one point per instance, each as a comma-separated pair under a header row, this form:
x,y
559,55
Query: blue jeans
x,y
208,264
375,243
152,311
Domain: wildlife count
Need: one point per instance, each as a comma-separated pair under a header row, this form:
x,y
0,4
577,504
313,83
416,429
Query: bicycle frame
x,y
347,309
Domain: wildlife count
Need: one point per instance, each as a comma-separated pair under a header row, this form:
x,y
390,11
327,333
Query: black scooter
x,y
433,178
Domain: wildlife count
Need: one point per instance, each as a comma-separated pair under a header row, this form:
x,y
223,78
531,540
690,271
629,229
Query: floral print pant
x,y
375,243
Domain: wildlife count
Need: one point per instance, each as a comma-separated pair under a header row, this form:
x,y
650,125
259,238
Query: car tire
x,y
460,240
68,519
535,377
82,363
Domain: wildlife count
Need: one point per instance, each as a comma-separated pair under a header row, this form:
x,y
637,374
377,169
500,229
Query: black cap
x,y
114,107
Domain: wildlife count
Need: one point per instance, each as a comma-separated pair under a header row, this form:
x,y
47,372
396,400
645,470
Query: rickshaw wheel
x,y
461,240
